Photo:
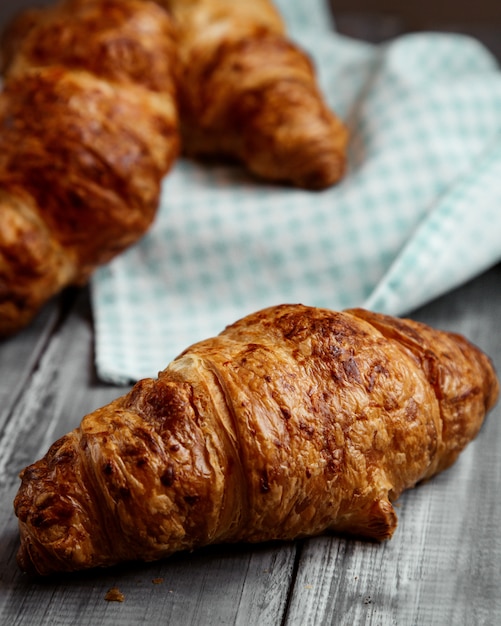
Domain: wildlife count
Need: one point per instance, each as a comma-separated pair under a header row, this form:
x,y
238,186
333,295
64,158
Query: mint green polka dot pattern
x,y
418,212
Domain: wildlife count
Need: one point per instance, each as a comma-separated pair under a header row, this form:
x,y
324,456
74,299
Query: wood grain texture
x,y
440,568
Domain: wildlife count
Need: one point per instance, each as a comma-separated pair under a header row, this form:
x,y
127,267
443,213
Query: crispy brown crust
x,y
88,129
292,422
248,92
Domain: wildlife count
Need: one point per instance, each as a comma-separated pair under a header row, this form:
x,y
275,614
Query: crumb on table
x,y
114,595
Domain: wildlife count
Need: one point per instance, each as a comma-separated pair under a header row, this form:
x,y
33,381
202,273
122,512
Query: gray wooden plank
x,y
19,356
207,587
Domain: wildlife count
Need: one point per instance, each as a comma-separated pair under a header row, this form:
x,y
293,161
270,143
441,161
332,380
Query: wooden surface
x,y
442,567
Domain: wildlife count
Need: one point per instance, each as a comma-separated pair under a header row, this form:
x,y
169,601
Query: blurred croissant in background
x,y
89,126
247,91
88,129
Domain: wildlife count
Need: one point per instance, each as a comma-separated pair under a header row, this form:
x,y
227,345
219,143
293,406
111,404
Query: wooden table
x,y
442,567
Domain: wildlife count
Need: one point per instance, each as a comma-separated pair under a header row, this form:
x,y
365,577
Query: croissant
x,y
246,91
88,128
293,421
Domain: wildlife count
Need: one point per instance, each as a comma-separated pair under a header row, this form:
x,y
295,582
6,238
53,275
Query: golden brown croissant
x,y
247,91
292,422
88,128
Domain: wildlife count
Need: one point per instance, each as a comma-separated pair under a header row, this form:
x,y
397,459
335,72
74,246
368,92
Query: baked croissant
x,y
292,422
88,129
247,92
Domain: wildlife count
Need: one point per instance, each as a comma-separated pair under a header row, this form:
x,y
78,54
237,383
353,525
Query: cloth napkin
x,y
417,214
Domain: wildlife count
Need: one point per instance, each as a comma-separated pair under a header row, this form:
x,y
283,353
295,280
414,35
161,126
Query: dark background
x,y
379,20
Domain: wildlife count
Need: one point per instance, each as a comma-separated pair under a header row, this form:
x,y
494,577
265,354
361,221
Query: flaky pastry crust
x,y
292,422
